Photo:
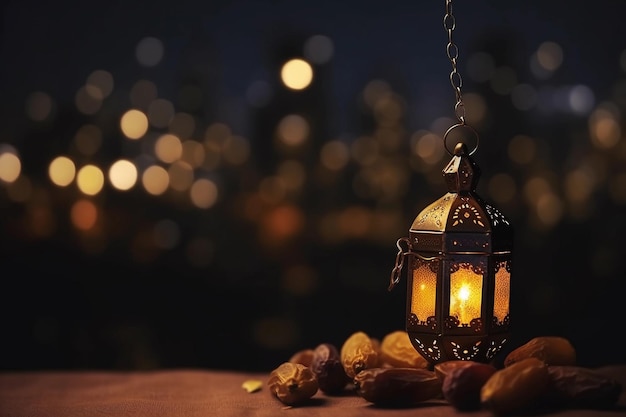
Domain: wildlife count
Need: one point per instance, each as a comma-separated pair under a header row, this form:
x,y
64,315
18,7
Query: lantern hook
x,y
397,269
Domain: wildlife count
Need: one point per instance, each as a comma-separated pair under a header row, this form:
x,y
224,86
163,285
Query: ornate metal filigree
x,y
494,347
466,212
495,216
465,353
433,352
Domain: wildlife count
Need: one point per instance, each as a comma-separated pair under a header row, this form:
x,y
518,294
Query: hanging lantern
x,y
458,255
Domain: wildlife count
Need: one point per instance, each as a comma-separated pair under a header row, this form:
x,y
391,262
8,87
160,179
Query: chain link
x,y
397,269
452,50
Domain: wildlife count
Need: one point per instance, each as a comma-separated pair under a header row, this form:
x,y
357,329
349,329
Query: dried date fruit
x,y
292,383
397,350
574,386
303,357
461,387
515,387
327,367
553,350
358,352
397,386
442,369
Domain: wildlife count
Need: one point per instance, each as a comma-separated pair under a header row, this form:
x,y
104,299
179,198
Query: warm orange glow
x,y
501,294
465,294
424,292
84,215
281,224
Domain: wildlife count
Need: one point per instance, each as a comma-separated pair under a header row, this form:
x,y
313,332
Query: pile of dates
x,y
539,374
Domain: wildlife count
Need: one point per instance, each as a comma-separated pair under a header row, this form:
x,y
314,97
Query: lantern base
x,y
440,348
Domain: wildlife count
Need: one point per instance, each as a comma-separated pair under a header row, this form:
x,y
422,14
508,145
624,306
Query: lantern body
x,y
459,272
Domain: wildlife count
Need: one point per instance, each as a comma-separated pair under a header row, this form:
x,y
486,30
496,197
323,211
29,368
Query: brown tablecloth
x,y
201,393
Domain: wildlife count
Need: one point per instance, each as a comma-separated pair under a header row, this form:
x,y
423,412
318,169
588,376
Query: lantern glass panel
x,y
501,293
466,290
424,291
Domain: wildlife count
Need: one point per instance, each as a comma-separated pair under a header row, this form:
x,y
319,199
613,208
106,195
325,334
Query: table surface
x,y
201,392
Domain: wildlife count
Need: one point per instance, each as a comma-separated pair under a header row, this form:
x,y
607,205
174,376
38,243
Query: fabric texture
x,y
202,393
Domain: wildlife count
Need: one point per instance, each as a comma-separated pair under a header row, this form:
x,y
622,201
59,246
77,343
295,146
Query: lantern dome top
x,y
461,210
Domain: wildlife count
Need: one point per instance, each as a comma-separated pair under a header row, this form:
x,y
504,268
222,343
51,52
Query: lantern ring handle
x,y
457,126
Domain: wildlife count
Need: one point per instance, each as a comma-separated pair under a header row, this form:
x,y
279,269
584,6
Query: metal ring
x,y
458,125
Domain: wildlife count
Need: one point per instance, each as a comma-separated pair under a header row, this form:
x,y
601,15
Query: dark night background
x,y
298,246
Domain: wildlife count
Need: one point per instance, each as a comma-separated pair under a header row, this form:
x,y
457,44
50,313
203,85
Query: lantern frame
x,y
458,234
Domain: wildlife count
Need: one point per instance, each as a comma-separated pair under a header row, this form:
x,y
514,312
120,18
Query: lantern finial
x,y
461,173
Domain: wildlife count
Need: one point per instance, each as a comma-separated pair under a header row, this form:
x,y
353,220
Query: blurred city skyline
x,y
167,192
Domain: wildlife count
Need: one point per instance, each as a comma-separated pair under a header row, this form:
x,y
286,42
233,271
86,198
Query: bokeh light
x,y
604,128
62,171
318,49
167,234
334,155
134,124
193,153
581,99
149,51
550,55
160,113
546,60
155,180
292,174
236,150
522,149
99,84
296,74
168,148
293,130
10,165
90,179
123,175
181,176
88,139
203,193
86,103
84,214
39,106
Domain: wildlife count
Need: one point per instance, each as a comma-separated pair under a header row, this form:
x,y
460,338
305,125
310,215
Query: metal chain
x,y
452,50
